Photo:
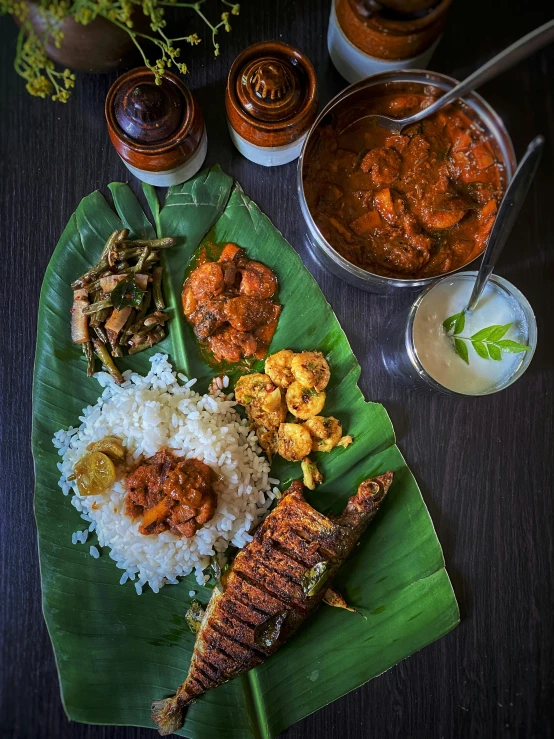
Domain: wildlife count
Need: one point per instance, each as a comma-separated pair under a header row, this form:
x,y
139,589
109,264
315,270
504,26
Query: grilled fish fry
x,y
272,586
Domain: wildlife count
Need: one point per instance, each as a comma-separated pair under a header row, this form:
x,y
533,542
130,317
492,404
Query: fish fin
x,y
363,506
295,488
167,714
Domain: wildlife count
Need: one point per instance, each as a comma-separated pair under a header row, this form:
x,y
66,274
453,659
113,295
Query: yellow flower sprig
x,y
39,72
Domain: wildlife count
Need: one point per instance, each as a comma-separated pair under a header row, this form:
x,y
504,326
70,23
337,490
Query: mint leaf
x,y
481,349
460,323
461,350
507,345
498,332
494,352
450,321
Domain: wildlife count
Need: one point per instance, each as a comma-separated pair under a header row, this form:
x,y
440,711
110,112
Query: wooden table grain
x,y
485,466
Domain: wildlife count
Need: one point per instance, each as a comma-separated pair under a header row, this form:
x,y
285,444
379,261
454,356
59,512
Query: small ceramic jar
x,y
367,37
271,102
157,130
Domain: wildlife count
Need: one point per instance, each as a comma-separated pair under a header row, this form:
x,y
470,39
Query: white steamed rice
x,y
157,411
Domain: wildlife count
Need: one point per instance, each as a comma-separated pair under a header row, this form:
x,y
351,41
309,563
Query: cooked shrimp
x,y
257,281
253,387
277,366
311,369
267,439
293,442
267,412
304,402
325,432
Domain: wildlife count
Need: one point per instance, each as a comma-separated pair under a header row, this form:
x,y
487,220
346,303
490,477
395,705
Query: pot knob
x,y
270,89
149,113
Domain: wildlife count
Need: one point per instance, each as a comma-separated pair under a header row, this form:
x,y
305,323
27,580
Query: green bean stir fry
x,y
118,303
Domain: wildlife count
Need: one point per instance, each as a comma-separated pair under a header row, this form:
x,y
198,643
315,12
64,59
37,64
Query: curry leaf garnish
x,y
449,322
266,634
194,616
314,578
481,349
460,323
491,333
487,342
126,293
507,345
494,352
461,350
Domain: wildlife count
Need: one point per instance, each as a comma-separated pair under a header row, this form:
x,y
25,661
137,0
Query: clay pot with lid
x,y
367,37
99,46
271,102
157,130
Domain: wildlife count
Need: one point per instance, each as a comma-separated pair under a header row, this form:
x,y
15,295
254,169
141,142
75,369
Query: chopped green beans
x,y
137,261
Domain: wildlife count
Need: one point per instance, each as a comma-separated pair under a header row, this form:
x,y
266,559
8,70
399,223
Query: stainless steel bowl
x,y
353,98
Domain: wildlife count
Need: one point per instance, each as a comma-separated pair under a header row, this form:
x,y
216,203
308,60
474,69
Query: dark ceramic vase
x,y
100,46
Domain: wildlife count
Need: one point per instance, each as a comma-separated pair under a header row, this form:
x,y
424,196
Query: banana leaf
x,y
116,651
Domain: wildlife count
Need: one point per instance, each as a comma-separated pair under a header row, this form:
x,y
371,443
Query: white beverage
x,y
435,348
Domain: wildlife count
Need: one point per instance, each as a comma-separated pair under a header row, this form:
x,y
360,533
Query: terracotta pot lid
x,y
271,96
147,112
153,127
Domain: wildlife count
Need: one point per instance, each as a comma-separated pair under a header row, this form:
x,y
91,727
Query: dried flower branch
x,y
39,72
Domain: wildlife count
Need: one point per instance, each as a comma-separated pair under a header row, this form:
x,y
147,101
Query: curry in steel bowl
x,y
412,206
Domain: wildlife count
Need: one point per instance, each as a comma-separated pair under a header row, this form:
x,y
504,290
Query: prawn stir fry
x,y
171,494
230,305
293,383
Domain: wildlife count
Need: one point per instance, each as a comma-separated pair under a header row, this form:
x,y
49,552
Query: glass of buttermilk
x,y
484,352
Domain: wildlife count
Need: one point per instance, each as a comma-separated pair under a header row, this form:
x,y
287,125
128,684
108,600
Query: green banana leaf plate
x,y
116,651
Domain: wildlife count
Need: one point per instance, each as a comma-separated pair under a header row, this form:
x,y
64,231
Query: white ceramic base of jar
x,y
267,156
174,176
355,65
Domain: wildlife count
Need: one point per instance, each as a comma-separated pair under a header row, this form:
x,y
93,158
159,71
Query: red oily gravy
x,y
410,206
230,302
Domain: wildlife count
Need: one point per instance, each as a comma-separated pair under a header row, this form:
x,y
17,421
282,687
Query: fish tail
x,y
168,715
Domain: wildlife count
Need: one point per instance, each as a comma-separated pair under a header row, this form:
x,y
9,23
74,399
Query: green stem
x,y
133,34
194,6
19,48
206,21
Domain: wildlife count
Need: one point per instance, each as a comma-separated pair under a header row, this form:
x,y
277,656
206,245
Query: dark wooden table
x,y
484,465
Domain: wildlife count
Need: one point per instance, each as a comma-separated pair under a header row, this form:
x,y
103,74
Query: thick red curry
x,y
415,205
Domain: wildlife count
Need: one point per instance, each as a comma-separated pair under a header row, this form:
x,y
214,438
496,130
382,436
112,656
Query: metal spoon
x,y
507,214
519,50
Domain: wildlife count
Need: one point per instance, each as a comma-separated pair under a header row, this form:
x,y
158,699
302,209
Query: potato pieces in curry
x,y
293,383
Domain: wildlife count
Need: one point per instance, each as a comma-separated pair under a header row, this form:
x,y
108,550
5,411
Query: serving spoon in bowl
x,y
507,214
519,50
